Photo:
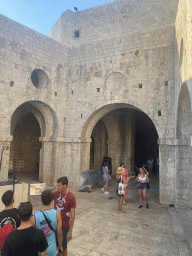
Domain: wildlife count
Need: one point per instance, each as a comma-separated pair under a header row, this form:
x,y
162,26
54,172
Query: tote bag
x,y
121,188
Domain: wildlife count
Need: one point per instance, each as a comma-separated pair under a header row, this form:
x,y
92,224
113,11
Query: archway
x,y
26,147
184,161
127,128
33,126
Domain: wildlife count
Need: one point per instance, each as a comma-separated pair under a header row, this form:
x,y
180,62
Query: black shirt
x,y
28,241
10,216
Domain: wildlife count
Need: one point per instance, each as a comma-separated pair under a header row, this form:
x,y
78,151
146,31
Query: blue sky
x,y
40,15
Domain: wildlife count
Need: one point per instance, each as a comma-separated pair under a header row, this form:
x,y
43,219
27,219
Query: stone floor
x,y
100,230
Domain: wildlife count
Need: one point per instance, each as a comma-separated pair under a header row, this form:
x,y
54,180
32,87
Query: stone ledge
x,y
175,142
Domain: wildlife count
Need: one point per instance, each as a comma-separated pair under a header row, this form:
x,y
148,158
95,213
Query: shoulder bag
x,y
121,188
48,222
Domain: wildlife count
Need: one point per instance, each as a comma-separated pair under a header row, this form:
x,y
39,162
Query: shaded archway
x,y
26,146
35,121
123,122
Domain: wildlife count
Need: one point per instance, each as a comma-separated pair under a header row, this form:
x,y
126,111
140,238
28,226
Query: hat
x,y
119,170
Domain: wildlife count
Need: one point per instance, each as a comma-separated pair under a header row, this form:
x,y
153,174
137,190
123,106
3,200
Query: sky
x,y
41,15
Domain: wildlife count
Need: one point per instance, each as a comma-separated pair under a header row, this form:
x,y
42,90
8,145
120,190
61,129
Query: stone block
x,y
20,193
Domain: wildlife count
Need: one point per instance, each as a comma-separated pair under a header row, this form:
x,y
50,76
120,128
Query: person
x,y
54,219
65,202
126,180
9,219
150,164
26,239
105,171
142,180
10,214
120,178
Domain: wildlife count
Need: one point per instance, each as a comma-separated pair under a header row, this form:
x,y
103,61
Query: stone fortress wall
x,y
122,76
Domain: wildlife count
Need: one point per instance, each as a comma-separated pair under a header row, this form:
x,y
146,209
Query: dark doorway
x,y
26,146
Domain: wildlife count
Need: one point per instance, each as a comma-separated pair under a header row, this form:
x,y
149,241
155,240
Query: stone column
x,y
97,153
5,141
168,149
128,141
85,154
46,163
114,151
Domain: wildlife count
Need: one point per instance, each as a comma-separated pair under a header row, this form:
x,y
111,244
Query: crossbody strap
x,y
48,222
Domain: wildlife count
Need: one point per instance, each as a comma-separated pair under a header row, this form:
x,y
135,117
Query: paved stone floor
x,y
100,230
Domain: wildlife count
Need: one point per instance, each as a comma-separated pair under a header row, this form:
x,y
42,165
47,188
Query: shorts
x,y
142,186
65,231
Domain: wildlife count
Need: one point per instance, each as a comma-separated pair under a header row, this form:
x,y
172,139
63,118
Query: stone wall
x,y
113,20
22,51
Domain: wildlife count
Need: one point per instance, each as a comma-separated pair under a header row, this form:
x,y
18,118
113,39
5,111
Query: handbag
x,y
148,186
121,188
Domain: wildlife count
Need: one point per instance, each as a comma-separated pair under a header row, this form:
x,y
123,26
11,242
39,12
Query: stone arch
x,y
91,122
48,124
184,115
44,114
184,160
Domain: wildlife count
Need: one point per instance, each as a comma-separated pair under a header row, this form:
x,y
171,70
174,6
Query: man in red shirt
x,y
64,201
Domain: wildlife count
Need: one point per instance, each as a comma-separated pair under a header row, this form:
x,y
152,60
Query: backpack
x,y
4,231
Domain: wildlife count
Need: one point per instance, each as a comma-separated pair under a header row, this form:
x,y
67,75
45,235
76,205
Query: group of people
x,y
44,233
122,177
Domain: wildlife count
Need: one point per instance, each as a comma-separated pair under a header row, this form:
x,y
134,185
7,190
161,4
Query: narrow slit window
x,y
76,34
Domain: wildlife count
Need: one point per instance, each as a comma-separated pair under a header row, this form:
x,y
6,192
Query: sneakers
x,y
124,203
106,192
140,206
147,206
103,190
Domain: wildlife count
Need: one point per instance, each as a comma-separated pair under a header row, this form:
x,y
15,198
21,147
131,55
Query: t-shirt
x,y
10,216
64,203
24,242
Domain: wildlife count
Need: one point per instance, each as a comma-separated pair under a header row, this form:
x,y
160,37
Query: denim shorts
x,y
65,231
142,186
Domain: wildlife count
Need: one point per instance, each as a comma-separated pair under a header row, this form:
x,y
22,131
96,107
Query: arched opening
x,y
146,138
128,135
33,127
184,133
98,148
26,147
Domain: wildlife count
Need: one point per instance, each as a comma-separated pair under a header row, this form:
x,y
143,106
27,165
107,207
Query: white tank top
x,y
143,179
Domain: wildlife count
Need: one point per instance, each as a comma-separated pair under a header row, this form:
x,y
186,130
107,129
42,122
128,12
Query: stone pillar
x,y
47,158
168,149
128,140
85,154
114,151
5,141
97,153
